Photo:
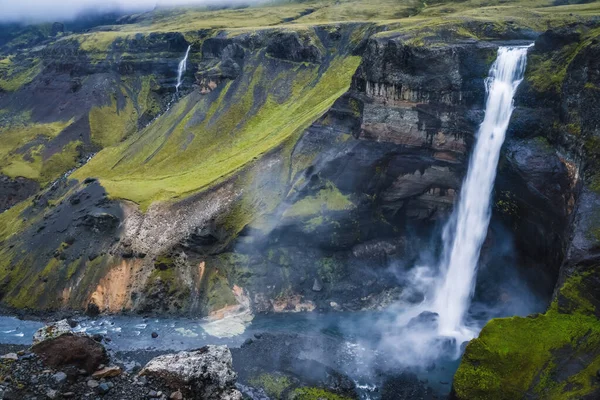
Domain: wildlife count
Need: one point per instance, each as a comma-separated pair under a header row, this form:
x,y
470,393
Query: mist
x,y
37,11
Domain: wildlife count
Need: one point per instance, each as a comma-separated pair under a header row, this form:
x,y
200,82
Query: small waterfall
x,y
466,231
182,68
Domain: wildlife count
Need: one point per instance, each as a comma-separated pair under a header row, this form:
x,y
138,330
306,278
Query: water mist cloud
x,y
31,11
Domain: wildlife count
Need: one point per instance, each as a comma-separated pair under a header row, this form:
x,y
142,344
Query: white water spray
x,y
466,231
182,68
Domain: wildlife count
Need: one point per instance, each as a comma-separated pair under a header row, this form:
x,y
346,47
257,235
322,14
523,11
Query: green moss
x,y
109,125
327,199
330,269
516,356
14,76
307,393
59,163
546,72
273,385
218,292
178,155
21,157
12,220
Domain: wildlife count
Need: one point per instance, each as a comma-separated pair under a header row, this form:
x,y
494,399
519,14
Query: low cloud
x,y
29,11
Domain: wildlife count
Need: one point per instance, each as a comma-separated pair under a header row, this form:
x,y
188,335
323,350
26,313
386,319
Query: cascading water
x,y
182,68
466,231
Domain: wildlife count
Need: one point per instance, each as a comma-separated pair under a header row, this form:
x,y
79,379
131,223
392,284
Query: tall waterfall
x,y
181,69
465,233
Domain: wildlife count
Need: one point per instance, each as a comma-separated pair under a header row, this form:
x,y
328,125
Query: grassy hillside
x,y
204,139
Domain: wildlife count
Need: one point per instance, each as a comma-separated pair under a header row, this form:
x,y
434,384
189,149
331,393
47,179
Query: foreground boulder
x,y
201,374
52,331
71,350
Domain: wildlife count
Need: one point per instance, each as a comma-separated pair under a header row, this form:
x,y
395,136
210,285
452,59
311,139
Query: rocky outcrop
x,y
52,331
555,354
80,351
291,46
201,374
13,191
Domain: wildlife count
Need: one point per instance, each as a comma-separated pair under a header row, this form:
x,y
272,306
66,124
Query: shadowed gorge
x,y
362,199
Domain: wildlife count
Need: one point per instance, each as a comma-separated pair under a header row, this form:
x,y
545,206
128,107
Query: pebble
x,y
51,394
176,396
152,394
154,335
104,388
59,377
107,372
93,383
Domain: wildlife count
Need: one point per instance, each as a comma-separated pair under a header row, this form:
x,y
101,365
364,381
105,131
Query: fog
x,y
33,11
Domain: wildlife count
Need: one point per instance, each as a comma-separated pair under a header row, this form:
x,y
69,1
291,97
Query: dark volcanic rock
x,y
406,386
80,351
290,46
13,191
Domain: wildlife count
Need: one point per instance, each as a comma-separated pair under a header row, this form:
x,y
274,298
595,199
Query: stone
x,y
59,377
154,335
107,372
52,331
176,396
206,373
103,388
10,356
153,394
92,383
52,394
317,286
72,350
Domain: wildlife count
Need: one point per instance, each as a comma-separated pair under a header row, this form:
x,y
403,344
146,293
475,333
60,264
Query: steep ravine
x,y
308,215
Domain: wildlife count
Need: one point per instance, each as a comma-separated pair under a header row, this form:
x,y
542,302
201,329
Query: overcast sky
x,y
60,10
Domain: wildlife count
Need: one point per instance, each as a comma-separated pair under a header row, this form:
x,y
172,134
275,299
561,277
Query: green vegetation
x,y
273,385
327,199
109,125
516,356
306,393
13,75
23,144
205,139
218,292
12,221
547,72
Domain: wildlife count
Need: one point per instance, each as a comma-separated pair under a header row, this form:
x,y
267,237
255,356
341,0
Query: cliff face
x,y
294,166
553,355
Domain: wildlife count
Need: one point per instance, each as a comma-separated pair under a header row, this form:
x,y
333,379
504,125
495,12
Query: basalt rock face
x,y
13,191
563,360
386,159
338,200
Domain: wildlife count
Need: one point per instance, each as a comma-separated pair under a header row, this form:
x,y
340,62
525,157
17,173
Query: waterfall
x,y
181,68
465,233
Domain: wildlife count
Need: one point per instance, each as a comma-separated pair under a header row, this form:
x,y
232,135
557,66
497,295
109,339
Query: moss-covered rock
x,y
555,355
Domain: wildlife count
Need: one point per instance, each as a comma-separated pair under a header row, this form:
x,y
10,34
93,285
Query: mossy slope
x,y
204,139
555,355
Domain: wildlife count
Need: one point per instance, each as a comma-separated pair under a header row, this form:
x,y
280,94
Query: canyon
x,y
293,161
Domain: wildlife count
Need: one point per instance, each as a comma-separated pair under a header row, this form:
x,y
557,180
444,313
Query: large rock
x,y
52,331
202,374
71,350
